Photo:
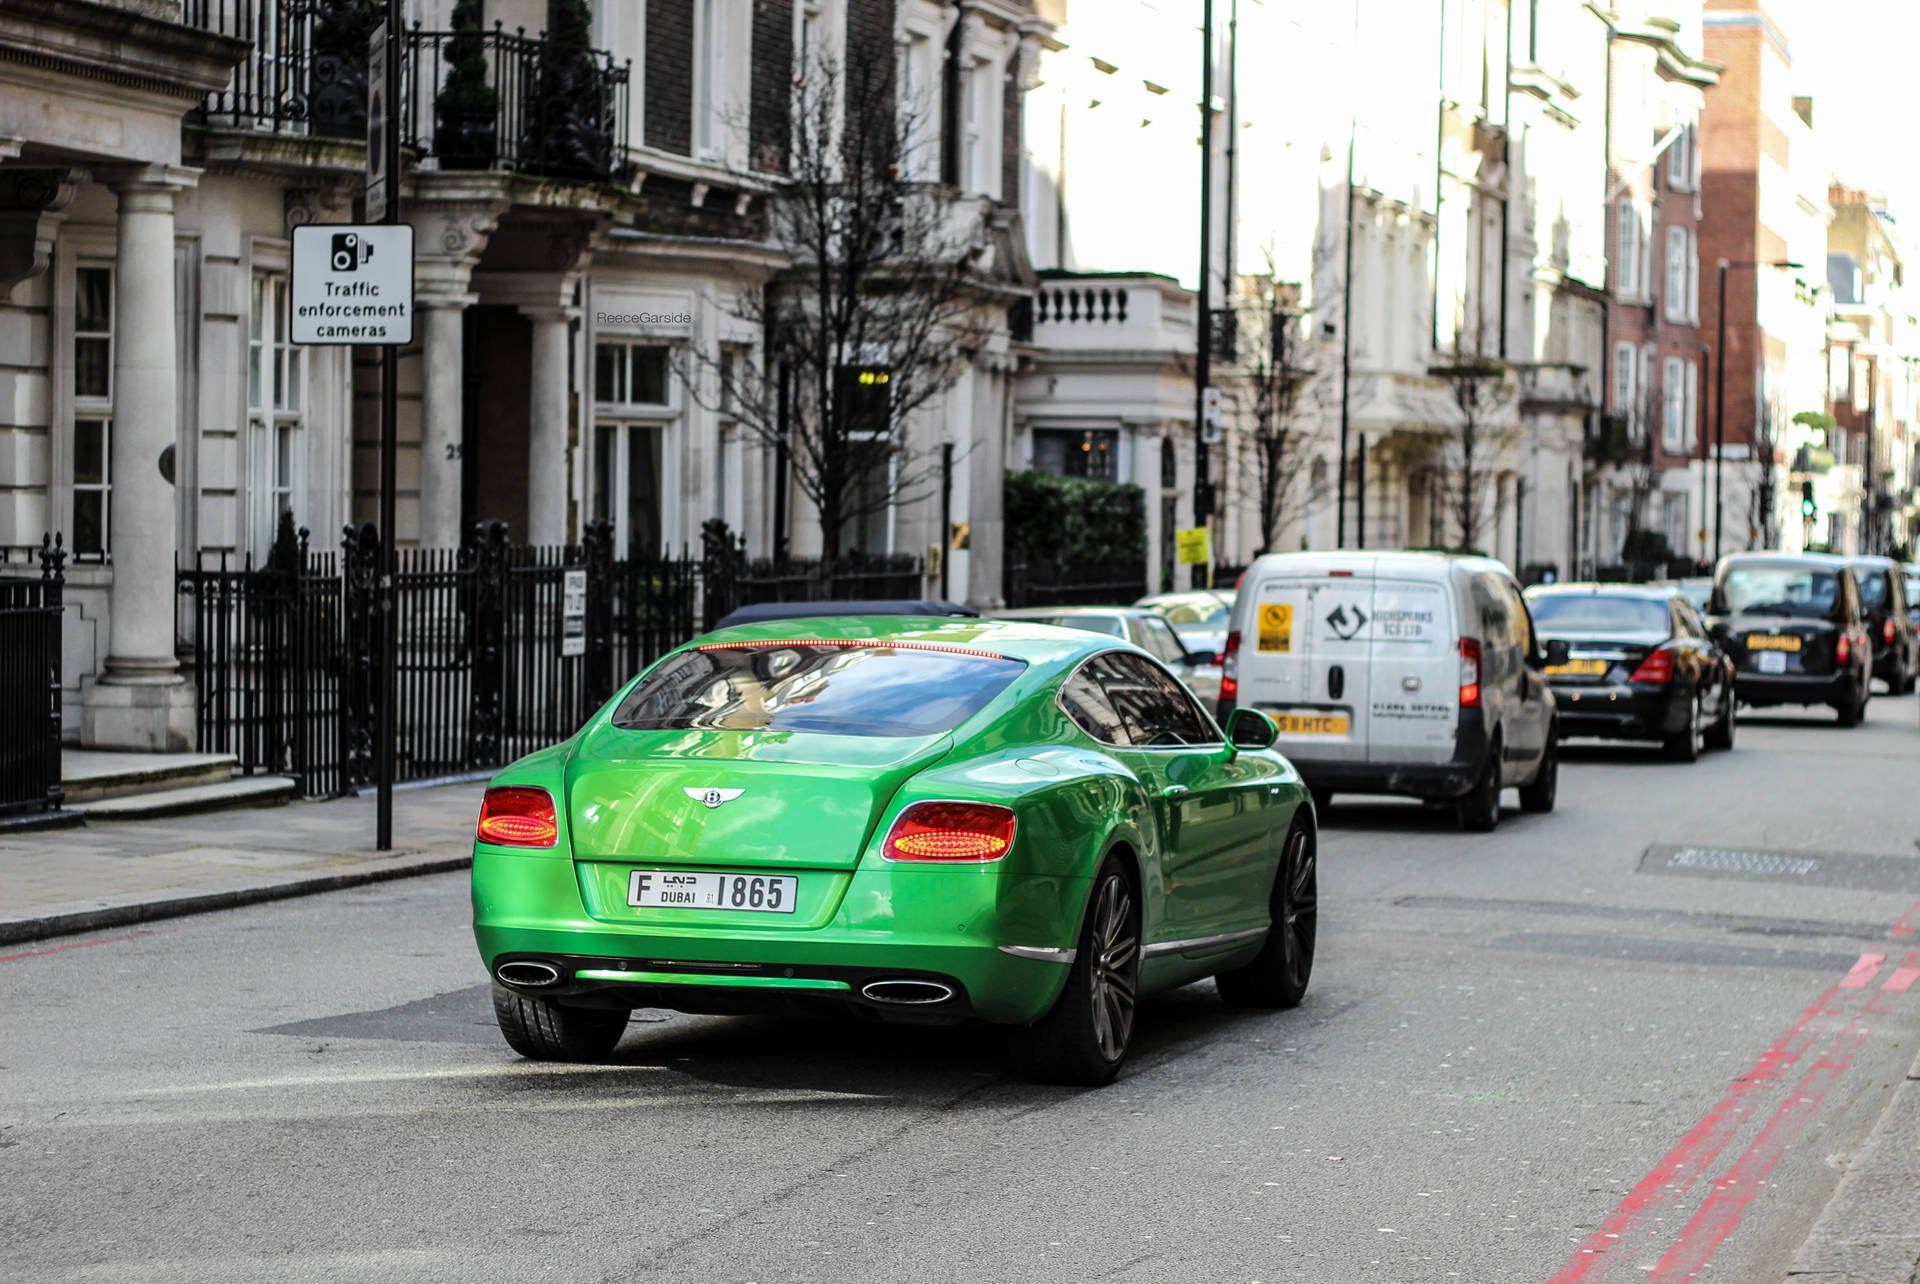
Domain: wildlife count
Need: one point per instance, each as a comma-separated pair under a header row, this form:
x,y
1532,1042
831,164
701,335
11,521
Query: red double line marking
x,y
1864,971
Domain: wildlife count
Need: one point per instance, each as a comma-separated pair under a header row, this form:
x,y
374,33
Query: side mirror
x,y
1558,649
1201,659
1250,729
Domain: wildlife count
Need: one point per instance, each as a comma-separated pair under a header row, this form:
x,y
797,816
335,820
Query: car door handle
x,y
1175,791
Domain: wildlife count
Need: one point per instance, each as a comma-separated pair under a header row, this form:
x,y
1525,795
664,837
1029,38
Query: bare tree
x,y
1638,469
875,318
1284,391
1763,524
1481,391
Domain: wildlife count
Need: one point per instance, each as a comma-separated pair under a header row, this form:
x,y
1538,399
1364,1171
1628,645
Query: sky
x,y
1856,58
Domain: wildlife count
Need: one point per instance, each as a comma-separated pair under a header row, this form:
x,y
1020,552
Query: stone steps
x,y
90,775
236,791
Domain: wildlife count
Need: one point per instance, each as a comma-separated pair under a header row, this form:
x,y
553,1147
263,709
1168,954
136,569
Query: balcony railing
x,y
495,99
544,107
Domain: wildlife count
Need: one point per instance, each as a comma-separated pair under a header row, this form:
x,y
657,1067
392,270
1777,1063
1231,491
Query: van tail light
x,y
1656,668
1230,668
950,831
518,817
1469,673
1886,631
1842,651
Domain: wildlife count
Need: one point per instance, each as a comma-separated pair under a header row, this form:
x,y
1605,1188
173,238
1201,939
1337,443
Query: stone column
x,y
442,369
141,701
985,568
547,479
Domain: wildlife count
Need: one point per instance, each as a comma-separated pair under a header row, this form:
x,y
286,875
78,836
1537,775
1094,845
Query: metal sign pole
x,y
389,420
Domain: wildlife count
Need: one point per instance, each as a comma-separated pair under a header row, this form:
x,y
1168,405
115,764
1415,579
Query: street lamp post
x,y
1720,390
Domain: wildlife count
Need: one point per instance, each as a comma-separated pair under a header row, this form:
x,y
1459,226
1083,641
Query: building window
x,y
626,483
1623,383
1626,280
1862,383
92,410
1690,433
275,374
715,103
1677,274
1091,453
1673,405
633,374
979,113
1673,521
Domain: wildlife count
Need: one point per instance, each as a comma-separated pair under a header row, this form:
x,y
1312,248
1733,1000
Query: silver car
x,y
1148,630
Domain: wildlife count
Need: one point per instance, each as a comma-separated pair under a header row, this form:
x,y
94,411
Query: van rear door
x,y
1303,659
1414,712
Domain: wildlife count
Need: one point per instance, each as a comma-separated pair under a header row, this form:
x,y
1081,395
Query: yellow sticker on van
x,y
1276,626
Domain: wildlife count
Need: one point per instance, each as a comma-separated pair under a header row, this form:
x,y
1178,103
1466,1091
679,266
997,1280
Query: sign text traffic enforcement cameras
x,y
353,283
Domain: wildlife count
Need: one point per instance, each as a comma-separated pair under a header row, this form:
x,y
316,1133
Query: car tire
x,y
1720,734
1850,712
1538,795
1684,744
546,1030
1277,976
1480,809
1083,1038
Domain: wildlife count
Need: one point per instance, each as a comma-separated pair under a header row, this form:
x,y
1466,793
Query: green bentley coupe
x,y
900,818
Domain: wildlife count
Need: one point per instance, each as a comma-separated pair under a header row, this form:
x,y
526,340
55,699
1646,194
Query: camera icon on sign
x,y
349,252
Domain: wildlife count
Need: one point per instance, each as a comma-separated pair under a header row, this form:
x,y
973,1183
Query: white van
x,y
1397,673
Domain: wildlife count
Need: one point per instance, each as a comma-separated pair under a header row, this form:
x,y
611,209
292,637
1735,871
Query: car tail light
x,y
1657,667
1469,673
950,831
1886,631
518,817
1842,651
1230,667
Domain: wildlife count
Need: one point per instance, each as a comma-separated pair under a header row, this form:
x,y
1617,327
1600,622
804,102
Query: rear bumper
x,y
1618,712
530,907
1795,688
1449,779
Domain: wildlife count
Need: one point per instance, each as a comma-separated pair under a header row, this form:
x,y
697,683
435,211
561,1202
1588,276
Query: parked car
x,y
1146,629
1889,621
1199,616
1398,673
1697,589
917,820
1911,575
1792,623
1641,665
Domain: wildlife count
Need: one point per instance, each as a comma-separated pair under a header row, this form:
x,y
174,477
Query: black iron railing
x,y
1039,580
30,612
505,100
307,73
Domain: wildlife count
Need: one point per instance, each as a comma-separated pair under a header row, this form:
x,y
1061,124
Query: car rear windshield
x,y
860,690
1780,588
1873,587
1598,613
1108,624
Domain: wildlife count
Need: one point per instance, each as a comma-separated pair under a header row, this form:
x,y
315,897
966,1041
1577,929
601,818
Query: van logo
x,y
713,797
1343,627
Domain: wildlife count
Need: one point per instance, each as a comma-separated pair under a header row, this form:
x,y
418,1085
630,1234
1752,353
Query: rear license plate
x,y
1577,668
676,889
1770,662
1772,642
1311,724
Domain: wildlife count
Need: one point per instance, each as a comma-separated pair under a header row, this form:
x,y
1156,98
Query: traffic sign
x,y
1210,416
353,283
379,164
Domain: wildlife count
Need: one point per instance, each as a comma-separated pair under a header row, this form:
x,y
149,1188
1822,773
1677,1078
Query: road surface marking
x,y
1864,971
1904,977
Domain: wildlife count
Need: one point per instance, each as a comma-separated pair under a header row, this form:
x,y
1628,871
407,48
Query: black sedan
x,y
1794,626
1883,599
1640,665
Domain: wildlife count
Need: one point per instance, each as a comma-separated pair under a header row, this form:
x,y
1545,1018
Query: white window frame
x,y
96,411
1627,250
1683,161
723,51
1692,406
1625,368
1675,305
621,404
276,386
1673,405
616,421
977,127
1649,359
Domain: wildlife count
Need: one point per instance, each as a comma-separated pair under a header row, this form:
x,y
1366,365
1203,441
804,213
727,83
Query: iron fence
x,y
1049,581
307,72
30,611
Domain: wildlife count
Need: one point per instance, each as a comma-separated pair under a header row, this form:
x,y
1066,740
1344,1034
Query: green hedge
x,y
1080,520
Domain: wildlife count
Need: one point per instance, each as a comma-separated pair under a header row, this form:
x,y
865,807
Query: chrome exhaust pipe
x,y
903,990
529,974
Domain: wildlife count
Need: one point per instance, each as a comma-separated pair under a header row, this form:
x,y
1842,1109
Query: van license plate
x,y
676,889
1312,724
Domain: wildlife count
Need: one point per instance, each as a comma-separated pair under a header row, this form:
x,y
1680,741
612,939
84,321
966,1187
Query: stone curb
x,y
1869,1232
15,931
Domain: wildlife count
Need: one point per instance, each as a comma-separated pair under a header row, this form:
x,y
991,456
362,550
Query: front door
x,y
1211,804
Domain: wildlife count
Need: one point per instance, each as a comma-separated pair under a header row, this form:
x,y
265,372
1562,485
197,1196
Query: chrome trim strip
x,y
1198,942
1045,953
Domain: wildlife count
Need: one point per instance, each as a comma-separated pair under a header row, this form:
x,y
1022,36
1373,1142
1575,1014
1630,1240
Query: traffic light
x,y
1807,507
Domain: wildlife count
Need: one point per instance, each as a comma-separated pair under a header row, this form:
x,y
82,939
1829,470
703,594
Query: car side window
x,y
1091,711
1496,625
1154,706
1159,638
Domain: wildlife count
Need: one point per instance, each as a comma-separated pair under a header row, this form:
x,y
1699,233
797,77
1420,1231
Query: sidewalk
x,y
56,882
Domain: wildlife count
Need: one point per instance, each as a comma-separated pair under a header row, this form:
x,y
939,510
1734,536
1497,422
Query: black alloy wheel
x,y
1083,1039
1538,794
1480,809
1684,745
1720,734
1277,976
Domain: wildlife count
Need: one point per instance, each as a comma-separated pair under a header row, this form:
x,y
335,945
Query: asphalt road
x,y
1627,1026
